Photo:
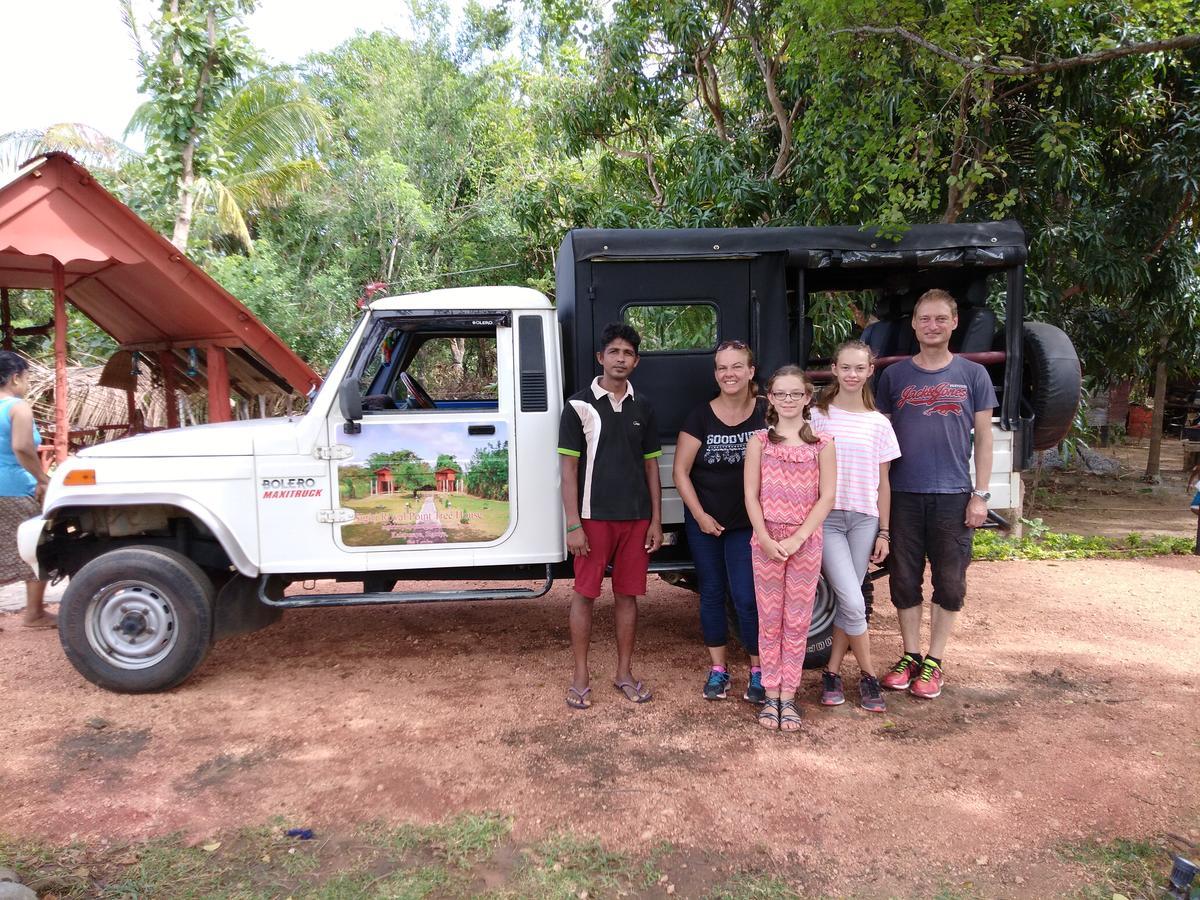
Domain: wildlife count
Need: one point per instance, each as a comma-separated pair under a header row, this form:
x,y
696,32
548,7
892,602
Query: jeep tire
x,y
1052,382
137,619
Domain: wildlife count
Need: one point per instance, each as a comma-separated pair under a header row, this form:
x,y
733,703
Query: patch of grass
x,y
1041,543
1136,869
565,864
752,886
461,841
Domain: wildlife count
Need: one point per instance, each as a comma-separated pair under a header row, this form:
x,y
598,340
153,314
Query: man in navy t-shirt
x,y
935,400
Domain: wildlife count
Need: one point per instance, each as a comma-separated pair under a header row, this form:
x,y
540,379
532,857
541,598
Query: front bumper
x,y
29,535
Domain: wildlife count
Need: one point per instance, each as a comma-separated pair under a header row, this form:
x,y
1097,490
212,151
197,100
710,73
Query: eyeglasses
x,y
788,396
732,345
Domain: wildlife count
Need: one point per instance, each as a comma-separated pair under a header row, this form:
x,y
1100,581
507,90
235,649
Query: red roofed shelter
x,y
61,231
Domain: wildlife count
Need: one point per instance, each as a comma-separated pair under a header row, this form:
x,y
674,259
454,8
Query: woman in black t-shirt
x,y
708,476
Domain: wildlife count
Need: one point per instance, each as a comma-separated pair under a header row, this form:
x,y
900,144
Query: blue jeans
x,y
723,564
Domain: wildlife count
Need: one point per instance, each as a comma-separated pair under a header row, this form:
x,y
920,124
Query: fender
x,y
29,533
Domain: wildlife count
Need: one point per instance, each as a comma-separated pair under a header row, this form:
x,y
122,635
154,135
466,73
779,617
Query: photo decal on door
x,y
422,484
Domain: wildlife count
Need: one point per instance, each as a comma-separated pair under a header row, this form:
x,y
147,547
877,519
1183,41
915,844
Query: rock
x,y
1096,464
9,875
98,723
11,891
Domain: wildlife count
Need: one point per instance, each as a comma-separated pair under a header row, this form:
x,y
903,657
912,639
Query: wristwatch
x,y
982,495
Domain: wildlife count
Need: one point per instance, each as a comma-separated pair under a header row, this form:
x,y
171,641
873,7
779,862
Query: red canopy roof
x,y
126,277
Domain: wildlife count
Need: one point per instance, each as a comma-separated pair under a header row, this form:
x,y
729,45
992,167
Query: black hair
x,y
11,364
615,331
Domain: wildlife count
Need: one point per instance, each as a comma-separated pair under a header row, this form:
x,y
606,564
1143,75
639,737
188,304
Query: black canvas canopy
x,y
998,244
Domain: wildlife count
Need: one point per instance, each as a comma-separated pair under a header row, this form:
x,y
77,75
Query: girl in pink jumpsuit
x,y
791,482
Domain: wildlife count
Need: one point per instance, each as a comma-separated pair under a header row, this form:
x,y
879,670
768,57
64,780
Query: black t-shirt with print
x,y
717,469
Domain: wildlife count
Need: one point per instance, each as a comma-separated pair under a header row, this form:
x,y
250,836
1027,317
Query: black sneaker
x,y
717,686
869,694
831,689
755,692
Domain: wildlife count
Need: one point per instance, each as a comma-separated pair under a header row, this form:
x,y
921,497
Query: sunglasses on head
x,y
732,345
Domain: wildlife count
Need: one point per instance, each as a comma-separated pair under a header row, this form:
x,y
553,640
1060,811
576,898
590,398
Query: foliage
x,y
1040,543
219,135
487,472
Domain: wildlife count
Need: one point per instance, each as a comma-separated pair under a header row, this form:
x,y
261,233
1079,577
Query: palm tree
x,y
262,142
88,145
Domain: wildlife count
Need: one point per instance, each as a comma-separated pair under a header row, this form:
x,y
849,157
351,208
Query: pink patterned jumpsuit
x,y
789,488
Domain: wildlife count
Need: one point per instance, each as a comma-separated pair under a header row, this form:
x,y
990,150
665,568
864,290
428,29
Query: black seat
x,y
976,330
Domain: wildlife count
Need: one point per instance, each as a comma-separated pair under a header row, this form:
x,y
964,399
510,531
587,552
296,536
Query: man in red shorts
x,y
608,441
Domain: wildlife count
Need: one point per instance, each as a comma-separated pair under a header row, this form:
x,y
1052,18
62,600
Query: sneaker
x,y
831,689
717,686
755,692
869,695
903,673
928,684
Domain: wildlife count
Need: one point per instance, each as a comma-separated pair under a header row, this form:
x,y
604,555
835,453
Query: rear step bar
x,y
379,598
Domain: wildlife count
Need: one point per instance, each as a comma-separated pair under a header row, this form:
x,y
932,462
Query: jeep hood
x,y
219,439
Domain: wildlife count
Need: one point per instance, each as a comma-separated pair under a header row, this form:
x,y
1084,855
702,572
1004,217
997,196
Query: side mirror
x,y
350,402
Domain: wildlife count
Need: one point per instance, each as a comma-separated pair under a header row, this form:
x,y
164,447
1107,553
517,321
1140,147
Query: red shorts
x,y
622,543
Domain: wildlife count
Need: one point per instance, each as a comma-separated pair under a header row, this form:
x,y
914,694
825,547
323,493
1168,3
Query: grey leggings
x,y
849,540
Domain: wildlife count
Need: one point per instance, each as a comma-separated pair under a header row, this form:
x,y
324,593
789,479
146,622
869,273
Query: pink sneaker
x,y
928,684
902,673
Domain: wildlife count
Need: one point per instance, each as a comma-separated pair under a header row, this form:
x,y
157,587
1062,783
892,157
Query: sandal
x,y
768,714
634,692
577,699
789,715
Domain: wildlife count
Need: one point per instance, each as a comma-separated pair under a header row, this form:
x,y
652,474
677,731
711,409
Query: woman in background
x,y
22,483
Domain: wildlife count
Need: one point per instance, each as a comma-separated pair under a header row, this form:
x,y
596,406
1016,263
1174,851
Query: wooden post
x,y
6,319
166,362
218,384
61,427
131,409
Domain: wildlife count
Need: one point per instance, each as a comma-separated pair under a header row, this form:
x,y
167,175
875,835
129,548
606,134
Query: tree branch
x,y
644,155
1182,42
1173,226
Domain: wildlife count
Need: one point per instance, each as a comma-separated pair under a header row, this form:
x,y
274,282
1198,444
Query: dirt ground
x,y
1065,719
1114,506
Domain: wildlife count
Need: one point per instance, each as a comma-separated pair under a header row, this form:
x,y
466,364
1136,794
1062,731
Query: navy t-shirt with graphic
x,y
717,469
933,414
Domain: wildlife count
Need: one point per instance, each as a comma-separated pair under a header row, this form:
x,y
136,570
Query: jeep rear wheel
x,y
137,619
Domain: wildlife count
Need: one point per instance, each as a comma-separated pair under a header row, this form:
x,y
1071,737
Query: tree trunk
x,y
183,219
1156,421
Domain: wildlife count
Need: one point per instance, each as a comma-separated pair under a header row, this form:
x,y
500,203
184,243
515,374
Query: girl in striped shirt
x,y
856,530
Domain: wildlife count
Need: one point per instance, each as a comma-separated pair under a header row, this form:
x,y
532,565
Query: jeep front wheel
x,y
137,619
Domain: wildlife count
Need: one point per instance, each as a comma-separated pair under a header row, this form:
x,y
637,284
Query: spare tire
x,y
1051,383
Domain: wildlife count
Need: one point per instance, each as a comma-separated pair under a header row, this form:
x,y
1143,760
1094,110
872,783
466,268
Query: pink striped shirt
x,y
863,440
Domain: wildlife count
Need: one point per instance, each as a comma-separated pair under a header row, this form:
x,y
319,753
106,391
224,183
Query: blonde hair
x,y
937,294
827,395
739,347
806,433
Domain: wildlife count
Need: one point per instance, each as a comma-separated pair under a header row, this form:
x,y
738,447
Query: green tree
x,y
218,134
487,472
447,460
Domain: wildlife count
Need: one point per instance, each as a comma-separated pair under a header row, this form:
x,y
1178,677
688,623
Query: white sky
x,y
73,60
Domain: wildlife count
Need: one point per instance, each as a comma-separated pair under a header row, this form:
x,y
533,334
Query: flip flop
x,y
634,693
43,622
577,699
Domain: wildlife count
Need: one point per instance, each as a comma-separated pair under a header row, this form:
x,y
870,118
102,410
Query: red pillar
x,y
61,427
218,384
166,362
